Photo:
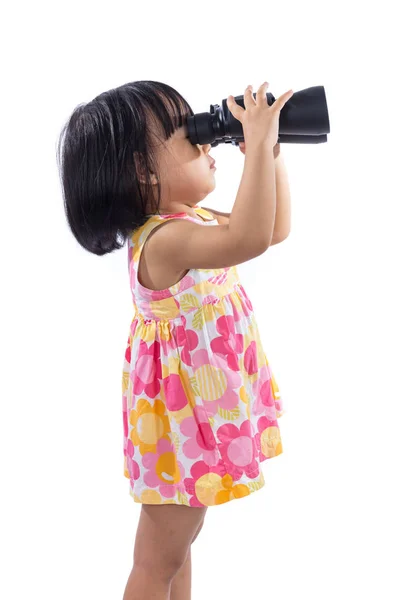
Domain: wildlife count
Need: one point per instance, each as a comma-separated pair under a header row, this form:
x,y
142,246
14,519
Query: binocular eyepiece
x,y
304,119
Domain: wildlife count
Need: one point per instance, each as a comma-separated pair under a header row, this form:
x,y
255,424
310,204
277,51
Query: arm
x,y
283,203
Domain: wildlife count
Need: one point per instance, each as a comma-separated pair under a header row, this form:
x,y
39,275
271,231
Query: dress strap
x,y
138,240
139,237
202,212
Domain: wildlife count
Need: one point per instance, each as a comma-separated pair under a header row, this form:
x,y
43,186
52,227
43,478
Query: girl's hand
x,y
260,122
277,148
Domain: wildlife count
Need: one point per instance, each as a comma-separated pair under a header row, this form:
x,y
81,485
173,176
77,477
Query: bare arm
x,y
253,214
283,201
282,222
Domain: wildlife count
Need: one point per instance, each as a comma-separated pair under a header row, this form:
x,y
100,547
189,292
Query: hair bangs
x,y
166,104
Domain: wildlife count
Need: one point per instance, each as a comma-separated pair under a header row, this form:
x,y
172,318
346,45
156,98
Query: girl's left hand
x,y
277,148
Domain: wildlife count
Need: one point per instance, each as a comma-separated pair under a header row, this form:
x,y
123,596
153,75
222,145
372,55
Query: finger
x,y
261,95
248,97
235,109
283,99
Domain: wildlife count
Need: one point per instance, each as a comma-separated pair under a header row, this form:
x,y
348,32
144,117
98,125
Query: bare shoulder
x,y
155,271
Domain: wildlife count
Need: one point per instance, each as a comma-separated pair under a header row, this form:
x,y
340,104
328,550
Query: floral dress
x,y
200,403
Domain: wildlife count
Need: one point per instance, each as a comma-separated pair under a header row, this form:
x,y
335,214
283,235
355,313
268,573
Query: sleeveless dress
x,y
200,403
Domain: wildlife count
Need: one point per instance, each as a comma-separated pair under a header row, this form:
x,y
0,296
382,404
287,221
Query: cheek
x,y
195,170
202,169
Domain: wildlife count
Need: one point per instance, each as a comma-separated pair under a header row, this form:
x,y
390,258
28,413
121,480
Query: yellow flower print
x,y
212,489
245,398
151,497
149,424
136,245
230,491
271,443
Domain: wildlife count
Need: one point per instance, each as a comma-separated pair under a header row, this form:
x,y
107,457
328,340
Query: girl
x,y
200,403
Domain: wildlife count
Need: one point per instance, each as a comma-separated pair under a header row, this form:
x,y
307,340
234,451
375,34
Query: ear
x,y
139,162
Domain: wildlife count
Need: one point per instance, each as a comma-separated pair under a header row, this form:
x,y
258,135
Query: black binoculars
x,y
304,119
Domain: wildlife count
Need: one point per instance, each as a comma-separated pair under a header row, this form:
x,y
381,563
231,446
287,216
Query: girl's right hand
x,y
260,122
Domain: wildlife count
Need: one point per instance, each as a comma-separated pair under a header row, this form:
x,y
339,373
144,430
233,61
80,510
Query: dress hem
x,y
260,483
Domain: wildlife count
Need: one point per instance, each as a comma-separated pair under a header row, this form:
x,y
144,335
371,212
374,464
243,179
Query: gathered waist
x,y
193,304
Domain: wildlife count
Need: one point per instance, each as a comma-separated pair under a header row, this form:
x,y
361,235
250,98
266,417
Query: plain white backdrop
x,y
326,525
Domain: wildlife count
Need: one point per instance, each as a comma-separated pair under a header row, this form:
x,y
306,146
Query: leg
x,y
182,582
162,543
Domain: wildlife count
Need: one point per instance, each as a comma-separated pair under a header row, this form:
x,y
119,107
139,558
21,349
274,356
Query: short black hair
x,y
104,199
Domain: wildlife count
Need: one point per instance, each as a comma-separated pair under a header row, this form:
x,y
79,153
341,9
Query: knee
x,y
163,565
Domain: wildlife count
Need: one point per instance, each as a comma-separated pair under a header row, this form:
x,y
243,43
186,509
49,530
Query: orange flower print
x,y
149,425
230,491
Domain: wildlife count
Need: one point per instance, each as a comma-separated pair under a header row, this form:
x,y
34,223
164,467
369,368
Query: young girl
x,y
200,403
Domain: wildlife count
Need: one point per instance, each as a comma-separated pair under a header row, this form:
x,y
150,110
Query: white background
x,y
327,300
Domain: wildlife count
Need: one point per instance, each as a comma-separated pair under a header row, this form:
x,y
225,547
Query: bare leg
x,y
163,538
182,582
181,586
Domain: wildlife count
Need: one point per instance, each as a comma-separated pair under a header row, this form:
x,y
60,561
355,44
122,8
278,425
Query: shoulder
x,y
222,218
167,234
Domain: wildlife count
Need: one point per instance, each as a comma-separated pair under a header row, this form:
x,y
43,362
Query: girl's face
x,y
186,176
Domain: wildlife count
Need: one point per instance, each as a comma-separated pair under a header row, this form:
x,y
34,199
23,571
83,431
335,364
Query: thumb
x,y
235,109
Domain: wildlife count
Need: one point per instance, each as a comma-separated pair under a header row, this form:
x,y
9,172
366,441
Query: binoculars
x,y
304,119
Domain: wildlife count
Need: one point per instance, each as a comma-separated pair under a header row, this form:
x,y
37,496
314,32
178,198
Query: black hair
x,y
106,191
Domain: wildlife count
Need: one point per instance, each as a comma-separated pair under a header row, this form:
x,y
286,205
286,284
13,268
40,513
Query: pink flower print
x,y
201,438
164,469
238,449
211,299
262,391
132,465
237,315
125,419
230,343
181,337
250,358
215,381
246,303
175,396
198,470
146,374
221,278
133,326
128,351
242,306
